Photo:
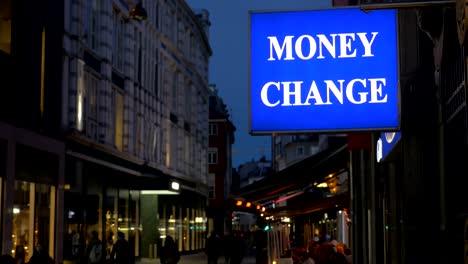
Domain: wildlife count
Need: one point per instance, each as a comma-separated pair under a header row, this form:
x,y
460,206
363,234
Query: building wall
x,y
220,142
136,98
139,88
31,160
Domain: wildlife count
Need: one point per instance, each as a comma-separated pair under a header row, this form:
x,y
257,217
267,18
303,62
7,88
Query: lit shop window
x,y
33,218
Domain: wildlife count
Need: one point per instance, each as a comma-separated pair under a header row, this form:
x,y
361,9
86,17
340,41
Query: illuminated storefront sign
x,y
323,71
386,143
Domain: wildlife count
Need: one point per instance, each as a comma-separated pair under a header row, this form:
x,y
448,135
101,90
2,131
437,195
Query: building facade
x,y
106,109
221,139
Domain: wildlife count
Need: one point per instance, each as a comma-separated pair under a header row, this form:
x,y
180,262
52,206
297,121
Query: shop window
x,y
33,218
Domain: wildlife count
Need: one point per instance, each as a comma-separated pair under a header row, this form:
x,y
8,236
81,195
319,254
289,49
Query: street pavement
x,y
199,258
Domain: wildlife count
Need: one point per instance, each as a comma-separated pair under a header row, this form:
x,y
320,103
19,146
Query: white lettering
x,y
291,92
349,92
287,93
376,91
345,46
287,44
312,50
338,92
366,43
314,94
324,42
264,93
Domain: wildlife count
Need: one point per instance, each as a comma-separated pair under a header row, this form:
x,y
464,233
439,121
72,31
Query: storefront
x,y
32,175
109,195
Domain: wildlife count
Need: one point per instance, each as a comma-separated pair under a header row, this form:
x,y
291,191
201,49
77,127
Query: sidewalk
x,y
199,258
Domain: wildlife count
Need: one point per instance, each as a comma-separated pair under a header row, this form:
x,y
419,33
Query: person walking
x,y
169,252
121,253
213,248
95,250
238,249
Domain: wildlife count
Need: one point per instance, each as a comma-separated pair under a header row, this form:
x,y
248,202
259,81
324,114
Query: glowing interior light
x,y
175,186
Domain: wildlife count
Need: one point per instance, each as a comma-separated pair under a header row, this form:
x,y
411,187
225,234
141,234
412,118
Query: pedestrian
x,y
227,247
20,254
7,259
95,250
40,256
169,252
213,248
238,248
121,252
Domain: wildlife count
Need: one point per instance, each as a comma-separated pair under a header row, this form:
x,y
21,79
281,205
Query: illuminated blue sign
x,y
323,71
386,143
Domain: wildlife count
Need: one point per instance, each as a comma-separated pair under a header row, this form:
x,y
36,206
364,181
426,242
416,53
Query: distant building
x,y
290,149
253,171
221,139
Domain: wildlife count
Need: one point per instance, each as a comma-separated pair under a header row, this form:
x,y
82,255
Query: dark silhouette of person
x,y
96,252
7,259
213,248
40,256
169,252
227,247
238,249
20,254
121,252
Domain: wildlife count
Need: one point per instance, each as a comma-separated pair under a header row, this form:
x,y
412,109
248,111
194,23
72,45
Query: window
x,y
118,118
213,129
188,103
155,143
91,122
118,41
139,136
91,23
5,26
211,192
174,91
211,185
300,151
314,150
187,151
180,36
156,74
137,54
33,214
212,156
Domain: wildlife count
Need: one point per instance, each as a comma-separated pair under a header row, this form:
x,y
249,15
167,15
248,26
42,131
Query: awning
x,y
127,171
297,179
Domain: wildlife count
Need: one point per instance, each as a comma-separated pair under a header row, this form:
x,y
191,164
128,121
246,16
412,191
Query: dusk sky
x,y
229,63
